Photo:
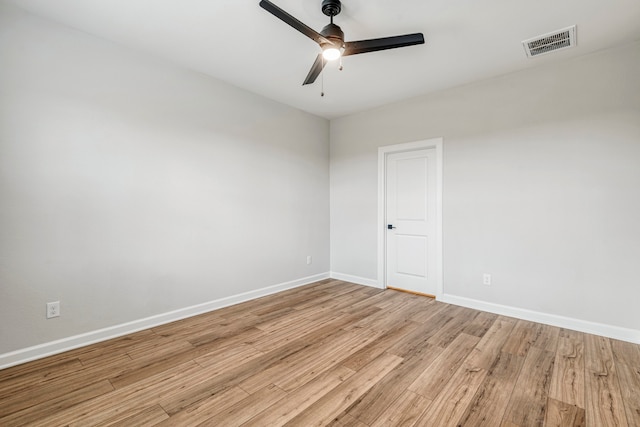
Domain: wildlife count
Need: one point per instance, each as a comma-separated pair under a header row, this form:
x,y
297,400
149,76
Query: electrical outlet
x,y
309,259
53,309
486,279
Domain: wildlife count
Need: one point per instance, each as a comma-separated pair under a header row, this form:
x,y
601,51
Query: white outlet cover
x,y
53,309
486,279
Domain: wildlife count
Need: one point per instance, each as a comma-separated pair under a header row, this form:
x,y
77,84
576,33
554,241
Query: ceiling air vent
x,y
546,43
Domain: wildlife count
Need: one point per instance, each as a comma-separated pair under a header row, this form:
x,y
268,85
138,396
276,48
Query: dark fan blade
x,y
284,16
364,46
315,70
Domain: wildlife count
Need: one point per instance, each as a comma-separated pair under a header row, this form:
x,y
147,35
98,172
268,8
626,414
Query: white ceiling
x,y
240,43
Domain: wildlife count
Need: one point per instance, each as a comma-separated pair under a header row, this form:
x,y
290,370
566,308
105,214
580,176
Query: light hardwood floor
x,y
334,353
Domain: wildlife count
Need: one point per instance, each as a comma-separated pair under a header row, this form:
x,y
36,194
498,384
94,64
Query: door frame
x,y
383,154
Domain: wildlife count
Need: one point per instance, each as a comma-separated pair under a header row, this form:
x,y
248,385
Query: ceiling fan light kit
x,y
331,53
331,38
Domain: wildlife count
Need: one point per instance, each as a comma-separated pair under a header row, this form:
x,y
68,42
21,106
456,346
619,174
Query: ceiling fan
x,y
331,38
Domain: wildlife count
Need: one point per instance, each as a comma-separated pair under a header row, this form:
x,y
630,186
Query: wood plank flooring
x,y
334,353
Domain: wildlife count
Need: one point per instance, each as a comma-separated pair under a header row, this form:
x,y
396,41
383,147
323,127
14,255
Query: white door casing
x,y
410,199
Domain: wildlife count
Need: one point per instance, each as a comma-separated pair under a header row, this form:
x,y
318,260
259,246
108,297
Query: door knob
x,y
390,227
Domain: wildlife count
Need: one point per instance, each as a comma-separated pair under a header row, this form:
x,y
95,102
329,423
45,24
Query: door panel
x,y
411,189
410,253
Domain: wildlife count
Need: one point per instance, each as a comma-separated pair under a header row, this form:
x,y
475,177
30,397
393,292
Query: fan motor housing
x,y
333,33
331,7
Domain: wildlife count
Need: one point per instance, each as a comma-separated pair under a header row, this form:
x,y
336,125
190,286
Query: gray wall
x,y
130,187
541,186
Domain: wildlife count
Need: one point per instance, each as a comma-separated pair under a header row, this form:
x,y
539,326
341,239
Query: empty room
x,y
319,212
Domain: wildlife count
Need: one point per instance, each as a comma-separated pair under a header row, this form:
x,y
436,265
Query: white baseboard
x,y
355,279
59,346
615,332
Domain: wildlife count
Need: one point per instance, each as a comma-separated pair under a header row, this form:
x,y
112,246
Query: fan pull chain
x,y
340,67
322,78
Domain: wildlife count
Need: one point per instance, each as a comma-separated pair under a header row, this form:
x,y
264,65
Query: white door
x,y
411,221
